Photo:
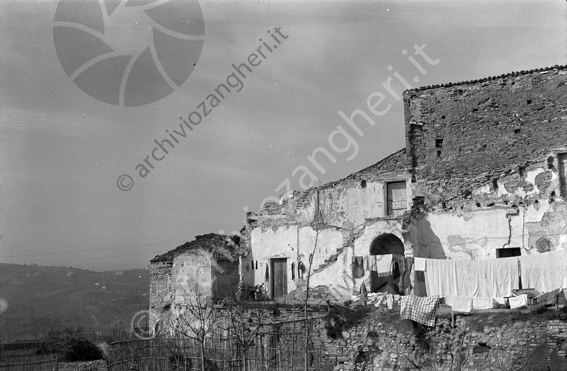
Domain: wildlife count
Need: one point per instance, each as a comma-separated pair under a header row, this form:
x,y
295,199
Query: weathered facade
x,y
365,207
490,155
482,176
207,267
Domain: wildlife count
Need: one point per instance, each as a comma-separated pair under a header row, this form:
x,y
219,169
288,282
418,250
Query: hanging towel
x,y
518,301
390,301
358,267
370,263
460,303
293,271
300,269
383,264
483,303
418,309
419,264
544,272
406,277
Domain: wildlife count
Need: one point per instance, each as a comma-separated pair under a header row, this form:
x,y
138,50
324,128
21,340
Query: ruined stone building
x,y
482,176
193,272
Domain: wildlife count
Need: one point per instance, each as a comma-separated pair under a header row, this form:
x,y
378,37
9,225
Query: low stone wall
x,y
377,339
486,341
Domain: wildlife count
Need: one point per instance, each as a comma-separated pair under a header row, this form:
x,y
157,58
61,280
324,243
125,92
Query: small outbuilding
x,y
207,267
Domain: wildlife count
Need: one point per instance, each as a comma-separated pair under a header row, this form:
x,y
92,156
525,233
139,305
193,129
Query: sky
x,y
65,154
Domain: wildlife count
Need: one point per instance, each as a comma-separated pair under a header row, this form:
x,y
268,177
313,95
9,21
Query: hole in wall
x,y
516,131
495,183
363,183
439,143
529,101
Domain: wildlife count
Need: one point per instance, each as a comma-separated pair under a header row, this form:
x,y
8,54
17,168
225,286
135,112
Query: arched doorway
x,y
385,244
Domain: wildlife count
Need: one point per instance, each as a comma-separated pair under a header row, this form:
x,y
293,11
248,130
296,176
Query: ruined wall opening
x,y
385,244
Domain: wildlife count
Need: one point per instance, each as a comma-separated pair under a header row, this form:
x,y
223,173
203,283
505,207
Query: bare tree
x,y
197,322
318,223
242,326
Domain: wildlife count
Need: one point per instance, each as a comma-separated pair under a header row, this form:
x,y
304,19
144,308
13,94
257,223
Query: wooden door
x,y
562,173
396,198
279,278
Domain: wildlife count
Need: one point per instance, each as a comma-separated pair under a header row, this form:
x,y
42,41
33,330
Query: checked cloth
x,y
419,309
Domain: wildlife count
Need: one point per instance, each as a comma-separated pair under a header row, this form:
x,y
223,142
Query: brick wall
x,y
461,136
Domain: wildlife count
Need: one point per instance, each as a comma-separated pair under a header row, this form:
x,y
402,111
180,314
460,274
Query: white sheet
x,y
544,272
471,278
460,303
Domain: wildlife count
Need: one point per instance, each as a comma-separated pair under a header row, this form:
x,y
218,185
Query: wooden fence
x,y
266,351
31,363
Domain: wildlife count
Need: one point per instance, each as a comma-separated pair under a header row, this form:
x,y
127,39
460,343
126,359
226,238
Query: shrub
x,y
70,349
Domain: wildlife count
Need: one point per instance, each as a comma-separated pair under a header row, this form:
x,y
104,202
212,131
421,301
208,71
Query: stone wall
x,y
160,276
191,276
485,341
378,340
462,136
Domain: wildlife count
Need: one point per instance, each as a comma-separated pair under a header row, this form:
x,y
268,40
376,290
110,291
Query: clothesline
x,y
479,278
494,277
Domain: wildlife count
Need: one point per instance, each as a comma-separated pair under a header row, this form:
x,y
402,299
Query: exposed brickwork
x,y
160,276
465,135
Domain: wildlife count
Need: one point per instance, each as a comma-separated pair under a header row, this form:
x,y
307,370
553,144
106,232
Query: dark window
x,y
508,252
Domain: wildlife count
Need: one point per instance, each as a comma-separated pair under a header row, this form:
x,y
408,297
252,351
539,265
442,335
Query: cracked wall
x,y
353,208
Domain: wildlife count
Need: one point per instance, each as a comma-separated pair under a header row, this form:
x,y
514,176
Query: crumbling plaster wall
x,y
294,243
462,136
466,235
347,207
191,278
516,210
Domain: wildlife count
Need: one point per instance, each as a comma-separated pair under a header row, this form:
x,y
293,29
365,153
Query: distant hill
x,y
41,298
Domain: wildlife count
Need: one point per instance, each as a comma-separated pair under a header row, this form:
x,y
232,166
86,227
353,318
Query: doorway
x,y
385,244
279,277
